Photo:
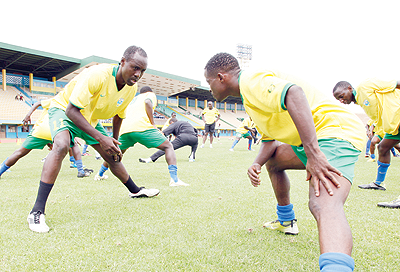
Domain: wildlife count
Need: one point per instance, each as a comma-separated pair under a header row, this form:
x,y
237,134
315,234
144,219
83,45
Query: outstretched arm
x,y
318,167
27,118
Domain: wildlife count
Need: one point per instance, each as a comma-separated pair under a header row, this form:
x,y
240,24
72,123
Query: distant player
x,y
246,130
301,129
38,138
185,135
99,92
139,127
381,102
377,136
210,116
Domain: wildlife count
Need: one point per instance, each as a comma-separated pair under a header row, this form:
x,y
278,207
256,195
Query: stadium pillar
x,y
187,102
55,85
195,103
235,107
4,79
215,104
205,104
30,81
224,106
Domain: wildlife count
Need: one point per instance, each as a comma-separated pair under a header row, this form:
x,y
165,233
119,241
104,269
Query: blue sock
x,y
71,159
393,152
84,149
382,170
373,156
173,172
103,169
250,141
234,143
4,167
335,261
79,165
285,213
368,146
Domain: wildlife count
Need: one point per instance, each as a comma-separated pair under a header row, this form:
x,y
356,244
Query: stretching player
x,y
139,127
98,92
38,138
377,136
381,102
185,135
290,111
245,130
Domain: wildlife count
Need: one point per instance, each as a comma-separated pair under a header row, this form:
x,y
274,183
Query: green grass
x,y
213,225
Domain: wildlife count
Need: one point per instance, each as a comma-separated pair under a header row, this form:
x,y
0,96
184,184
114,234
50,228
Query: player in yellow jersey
x,y
139,127
245,130
38,138
99,92
210,116
380,100
301,129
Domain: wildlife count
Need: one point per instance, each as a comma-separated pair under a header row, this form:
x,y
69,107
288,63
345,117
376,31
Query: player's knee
x,y
315,207
60,149
383,150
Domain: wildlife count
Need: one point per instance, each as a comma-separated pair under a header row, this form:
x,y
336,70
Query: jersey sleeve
x,y
85,88
45,103
380,86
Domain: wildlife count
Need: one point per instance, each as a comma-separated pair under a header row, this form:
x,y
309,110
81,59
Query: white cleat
x,y
37,222
145,193
179,183
147,160
97,177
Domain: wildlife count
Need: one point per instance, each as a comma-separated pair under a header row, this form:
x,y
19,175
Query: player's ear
x,y
221,77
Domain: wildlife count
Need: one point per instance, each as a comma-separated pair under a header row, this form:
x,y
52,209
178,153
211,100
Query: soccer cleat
x,y
210,145
367,155
373,186
250,149
37,222
288,227
395,204
72,165
202,146
371,160
145,193
147,160
83,174
191,160
98,158
97,177
179,183
231,149
88,170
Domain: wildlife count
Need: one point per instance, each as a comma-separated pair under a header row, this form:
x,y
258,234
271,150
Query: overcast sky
x,y
320,41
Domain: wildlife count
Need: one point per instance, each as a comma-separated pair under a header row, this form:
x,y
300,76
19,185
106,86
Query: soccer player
x,y
381,102
185,135
166,124
139,127
210,116
98,92
38,138
301,129
245,130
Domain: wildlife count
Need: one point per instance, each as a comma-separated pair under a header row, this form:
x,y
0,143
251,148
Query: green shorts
x,y
340,154
392,137
379,137
240,135
60,122
32,142
149,138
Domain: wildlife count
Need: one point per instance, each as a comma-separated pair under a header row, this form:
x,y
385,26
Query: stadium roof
x,y
203,93
23,61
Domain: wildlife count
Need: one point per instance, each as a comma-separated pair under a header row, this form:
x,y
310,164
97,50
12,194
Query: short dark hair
x,y
221,62
173,120
131,50
145,89
341,85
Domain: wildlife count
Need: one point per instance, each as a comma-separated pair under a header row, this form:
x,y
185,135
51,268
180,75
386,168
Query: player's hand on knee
x,y
110,146
254,174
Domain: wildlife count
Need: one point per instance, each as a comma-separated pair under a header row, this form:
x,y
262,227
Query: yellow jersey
x,y
41,129
210,115
263,94
381,102
247,122
95,92
137,119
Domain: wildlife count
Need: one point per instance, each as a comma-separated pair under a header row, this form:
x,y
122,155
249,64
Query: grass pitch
x,y
215,224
